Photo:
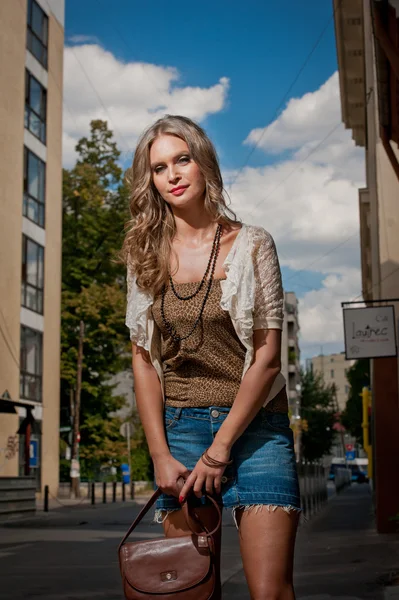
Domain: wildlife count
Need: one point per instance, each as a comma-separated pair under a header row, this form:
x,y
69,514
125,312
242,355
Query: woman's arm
x,y
254,388
150,407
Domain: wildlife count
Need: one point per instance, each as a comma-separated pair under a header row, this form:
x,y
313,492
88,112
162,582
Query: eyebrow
x,y
162,162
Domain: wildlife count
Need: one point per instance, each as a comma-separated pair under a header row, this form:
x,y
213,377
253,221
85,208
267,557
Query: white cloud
x,y
308,200
82,39
129,96
320,310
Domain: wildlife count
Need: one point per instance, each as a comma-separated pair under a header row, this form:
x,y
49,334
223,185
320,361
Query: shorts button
x,y
224,479
215,413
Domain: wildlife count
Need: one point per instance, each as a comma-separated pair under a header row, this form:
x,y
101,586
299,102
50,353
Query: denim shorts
x,y
264,466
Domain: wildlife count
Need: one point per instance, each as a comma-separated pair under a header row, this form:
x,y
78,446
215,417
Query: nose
x,y
173,174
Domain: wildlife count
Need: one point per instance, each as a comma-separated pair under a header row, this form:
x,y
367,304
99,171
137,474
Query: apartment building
x,y
290,353
31,67
367,39
333,368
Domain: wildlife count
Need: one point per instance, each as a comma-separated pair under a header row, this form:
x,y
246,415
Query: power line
x,y
99,98
375,284
130,47
8,331
323,256
298,166
9,347
302,68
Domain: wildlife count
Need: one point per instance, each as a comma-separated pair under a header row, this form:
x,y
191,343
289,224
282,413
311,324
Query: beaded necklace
x,y
210,268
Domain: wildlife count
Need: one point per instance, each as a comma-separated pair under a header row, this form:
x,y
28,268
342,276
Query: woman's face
x,y
175,174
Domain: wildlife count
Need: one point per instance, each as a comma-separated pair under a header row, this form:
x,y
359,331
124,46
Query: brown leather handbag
x,y
170,568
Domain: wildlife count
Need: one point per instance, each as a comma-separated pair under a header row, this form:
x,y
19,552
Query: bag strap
x,y
193,520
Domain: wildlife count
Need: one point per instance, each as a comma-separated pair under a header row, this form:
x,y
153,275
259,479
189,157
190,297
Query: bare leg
x,y
267,540
175,526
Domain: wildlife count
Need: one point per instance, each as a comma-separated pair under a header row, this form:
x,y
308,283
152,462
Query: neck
x,y
194,228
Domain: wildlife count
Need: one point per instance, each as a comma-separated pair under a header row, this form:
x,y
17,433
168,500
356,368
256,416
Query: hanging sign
x,y
369,332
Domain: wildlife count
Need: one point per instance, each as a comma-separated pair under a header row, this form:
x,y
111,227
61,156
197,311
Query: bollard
x,y
93,493
132,490
123,491
46,495
114,491
88,489
104,492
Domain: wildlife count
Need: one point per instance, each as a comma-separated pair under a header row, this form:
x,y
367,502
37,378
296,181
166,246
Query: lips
x,y
178,191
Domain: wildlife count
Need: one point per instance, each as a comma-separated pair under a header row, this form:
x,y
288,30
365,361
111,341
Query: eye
x,y
184,159
158,169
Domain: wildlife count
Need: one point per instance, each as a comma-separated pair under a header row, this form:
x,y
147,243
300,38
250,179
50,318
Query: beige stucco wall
x,y
339,365
388,214
52,271
12,70
12,76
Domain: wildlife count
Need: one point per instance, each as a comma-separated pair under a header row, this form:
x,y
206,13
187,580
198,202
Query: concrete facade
x,y
290,353
333,368
27,54
367,37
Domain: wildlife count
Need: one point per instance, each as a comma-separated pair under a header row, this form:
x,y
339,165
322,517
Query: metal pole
x,y
123,491
46,495
75,474
114,491
93,493
128,451
104,492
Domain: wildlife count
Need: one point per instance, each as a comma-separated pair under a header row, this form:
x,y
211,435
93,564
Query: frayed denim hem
x,y
161,514
269,507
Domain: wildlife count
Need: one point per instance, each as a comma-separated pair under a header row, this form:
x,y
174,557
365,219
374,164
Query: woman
x,y
205,312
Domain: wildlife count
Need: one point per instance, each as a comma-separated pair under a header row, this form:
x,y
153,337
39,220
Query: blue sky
x,y
260,48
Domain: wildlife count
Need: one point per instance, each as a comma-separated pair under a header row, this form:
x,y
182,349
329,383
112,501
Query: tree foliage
x,y
318,408
358,377
95,208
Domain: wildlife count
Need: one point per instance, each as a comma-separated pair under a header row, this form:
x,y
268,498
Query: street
x,y
70,554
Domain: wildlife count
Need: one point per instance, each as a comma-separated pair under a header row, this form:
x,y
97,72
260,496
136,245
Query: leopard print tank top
x,y
206,368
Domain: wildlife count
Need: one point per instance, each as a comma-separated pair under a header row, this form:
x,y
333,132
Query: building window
x,y
34,184
332,374
32,275
35,107
37,32
31,364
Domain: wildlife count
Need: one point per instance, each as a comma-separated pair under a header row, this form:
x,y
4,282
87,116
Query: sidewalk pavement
x,y
339,555
56,503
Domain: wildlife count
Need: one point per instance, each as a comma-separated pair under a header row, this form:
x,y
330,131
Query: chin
x,y
182,202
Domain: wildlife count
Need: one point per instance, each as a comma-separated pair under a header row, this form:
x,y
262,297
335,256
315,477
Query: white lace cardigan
x,y
252,294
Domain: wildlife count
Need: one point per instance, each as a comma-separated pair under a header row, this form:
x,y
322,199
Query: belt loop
x,y
178,413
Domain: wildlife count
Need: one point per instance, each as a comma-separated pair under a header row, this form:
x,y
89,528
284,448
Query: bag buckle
x,y
168,575
203,541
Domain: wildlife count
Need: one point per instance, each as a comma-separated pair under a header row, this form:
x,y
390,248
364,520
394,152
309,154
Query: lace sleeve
x,y
269,295
136,311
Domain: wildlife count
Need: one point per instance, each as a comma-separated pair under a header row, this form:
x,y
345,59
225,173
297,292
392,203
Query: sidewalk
x,y
339,556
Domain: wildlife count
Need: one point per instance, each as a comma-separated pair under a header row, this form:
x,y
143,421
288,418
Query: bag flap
x,y
165,565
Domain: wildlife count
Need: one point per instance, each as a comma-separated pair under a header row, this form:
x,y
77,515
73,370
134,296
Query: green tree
x,y
95,208
319,412
142,467
358,377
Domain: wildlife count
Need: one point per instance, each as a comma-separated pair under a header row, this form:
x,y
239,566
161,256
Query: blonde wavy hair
x,y
149,233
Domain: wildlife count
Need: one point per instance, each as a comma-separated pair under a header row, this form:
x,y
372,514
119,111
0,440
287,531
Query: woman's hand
x,y
206,477
167,472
